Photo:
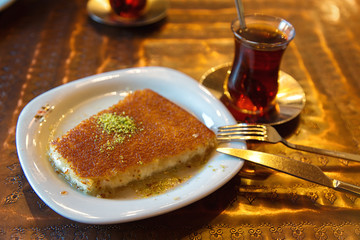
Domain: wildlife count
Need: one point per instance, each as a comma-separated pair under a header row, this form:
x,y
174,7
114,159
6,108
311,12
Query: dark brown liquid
x,y
253,82
128,8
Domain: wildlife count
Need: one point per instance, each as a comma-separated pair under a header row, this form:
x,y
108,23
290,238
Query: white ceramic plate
x,y
56,111
5,3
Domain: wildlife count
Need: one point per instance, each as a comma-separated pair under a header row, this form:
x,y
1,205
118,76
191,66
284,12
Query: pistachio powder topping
x,y
121,126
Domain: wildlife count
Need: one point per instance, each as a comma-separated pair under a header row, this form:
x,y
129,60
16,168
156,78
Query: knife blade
x,y
292,167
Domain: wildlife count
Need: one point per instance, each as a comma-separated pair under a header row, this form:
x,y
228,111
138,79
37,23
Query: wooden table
x,y
44,44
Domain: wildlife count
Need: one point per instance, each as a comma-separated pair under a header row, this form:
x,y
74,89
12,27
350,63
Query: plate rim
x,y
5,4
29,109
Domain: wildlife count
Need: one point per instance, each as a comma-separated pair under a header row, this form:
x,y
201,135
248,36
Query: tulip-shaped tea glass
x,y
251,85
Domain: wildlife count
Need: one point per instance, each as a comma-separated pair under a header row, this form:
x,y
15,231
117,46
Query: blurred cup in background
x,y
129,8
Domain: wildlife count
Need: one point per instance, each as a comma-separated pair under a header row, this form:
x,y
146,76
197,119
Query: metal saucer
x,y
100,11
290,98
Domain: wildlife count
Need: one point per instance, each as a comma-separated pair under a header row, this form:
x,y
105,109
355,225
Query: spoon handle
x,y
240,12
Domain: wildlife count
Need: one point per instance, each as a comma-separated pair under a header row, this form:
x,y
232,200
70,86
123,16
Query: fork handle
x,y
346,187
348,156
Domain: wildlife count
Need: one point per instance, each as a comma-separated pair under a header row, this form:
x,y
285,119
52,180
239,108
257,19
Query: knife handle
x,y
344,155
347,187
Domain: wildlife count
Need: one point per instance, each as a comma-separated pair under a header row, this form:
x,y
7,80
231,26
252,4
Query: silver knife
x,y
295,168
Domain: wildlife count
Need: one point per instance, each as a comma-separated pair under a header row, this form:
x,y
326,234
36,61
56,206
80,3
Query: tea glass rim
x,y
282,25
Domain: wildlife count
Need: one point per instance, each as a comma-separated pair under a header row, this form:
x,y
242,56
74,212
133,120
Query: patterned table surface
x,y
44,44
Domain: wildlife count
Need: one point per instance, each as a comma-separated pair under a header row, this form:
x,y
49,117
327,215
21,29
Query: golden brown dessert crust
x,y
164,130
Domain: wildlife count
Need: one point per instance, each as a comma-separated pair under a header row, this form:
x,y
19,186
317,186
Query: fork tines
x,y
241,131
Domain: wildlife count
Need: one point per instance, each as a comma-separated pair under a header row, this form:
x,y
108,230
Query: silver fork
x,y
266,133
